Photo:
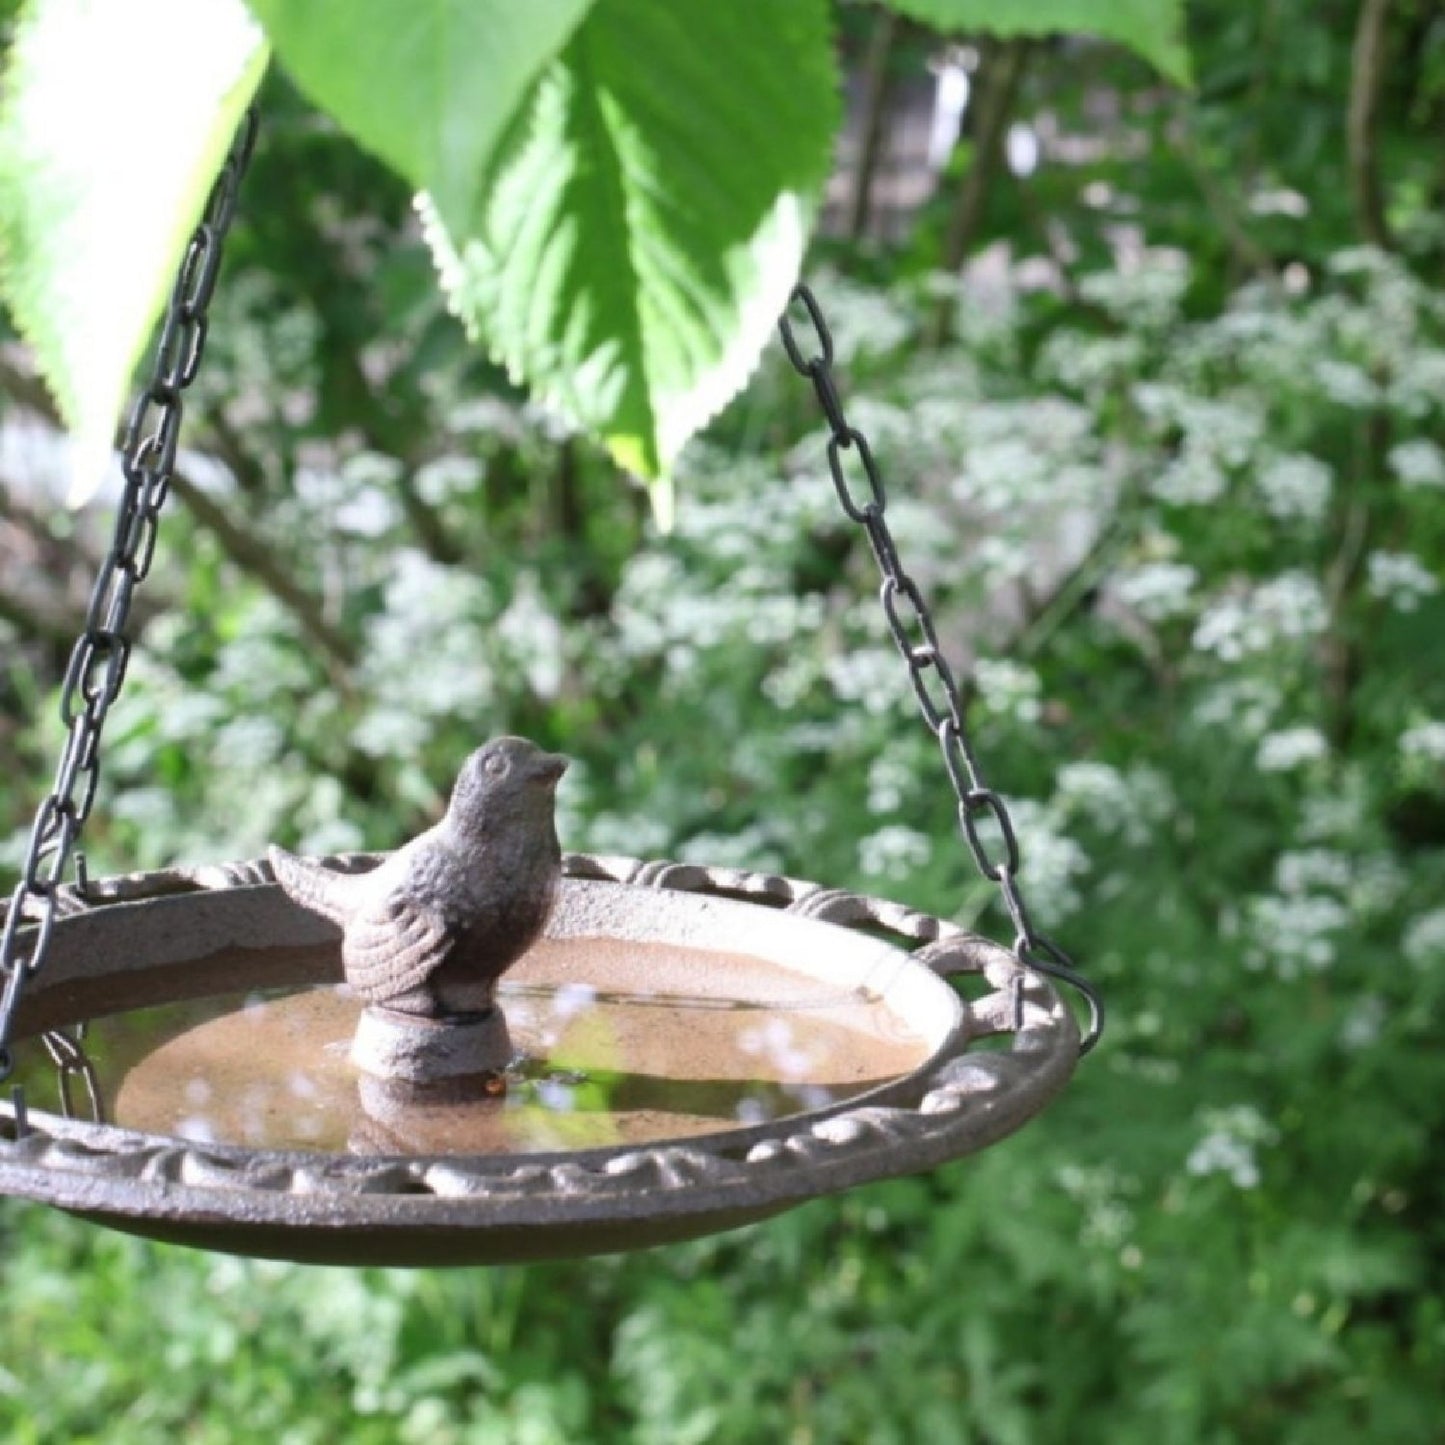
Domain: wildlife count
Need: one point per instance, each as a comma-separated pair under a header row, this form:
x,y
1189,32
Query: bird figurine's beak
x,y
550,767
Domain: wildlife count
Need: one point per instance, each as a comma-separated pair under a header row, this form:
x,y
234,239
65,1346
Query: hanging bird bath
x,y
708,1047
695,1047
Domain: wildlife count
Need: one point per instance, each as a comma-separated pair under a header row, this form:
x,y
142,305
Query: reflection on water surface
x,y
618,1043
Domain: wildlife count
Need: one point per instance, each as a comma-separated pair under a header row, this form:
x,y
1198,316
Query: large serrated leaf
x,y
648,215
1152,28
114,118
427,85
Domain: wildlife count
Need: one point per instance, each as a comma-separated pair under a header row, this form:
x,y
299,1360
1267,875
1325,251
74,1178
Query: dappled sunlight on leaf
x,y
648,217
114,121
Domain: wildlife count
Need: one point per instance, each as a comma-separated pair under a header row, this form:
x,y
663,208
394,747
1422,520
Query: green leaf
x,y
113,123
648,215
427,85
1153,28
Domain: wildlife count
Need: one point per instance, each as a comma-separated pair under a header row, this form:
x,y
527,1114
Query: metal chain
x,y
98,663
67,1053
864,500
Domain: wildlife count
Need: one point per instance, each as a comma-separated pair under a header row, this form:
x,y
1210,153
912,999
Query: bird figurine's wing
x,y
393,946
333,895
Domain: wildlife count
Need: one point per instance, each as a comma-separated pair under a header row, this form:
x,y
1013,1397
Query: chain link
x,y
67,1053
97,667
981,811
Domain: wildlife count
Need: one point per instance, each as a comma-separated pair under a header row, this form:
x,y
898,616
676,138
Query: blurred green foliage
x,y
1177,483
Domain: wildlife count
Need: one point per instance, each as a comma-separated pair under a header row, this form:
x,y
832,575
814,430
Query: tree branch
x,y
997,84
248,551
425,521
34,624
24,387
1367,75
228,444
1352,530
1251,257
876,88
255,555
389,432
51,575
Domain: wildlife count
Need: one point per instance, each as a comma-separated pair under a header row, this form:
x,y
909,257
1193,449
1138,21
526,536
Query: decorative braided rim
x,y
958,1101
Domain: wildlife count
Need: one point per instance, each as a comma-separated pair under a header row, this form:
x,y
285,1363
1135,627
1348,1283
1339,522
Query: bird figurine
x,y
428,933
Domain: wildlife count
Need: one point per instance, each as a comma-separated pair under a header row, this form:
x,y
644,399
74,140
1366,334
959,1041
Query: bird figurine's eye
x,y
495,766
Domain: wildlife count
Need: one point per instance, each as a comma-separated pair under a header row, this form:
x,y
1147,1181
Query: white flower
x,y
1295,934
1001,560
1160,402
1099,1192
1279,201
1146,292
388,732
1295,488
894,852
359,497
1337,816
1424,941
534,637
1418,463
1230,1143
445,477
1293,604
1376,884
1052,862
1400,578
432,633
1098,788
1283,751
747,848
1244,705
1345,383
868,675
1133,804
1286,608
782,617
1220,1154
365,470
1157,591
250,742
1228,429
889,779
631,835
923,531
1309,868
1230,631
1364,1022
1009,689
884,423
1424,740
14,848
1369,262
1001,472
1090,363
335,835
791,681
1419,383
1193,478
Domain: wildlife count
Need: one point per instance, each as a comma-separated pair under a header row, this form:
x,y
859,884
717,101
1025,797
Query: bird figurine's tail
x,y
312,886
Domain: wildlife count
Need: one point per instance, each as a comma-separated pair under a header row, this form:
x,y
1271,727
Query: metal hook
x,y
1056,964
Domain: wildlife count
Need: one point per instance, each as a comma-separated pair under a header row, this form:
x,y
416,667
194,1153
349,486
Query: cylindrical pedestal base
x,y
400,1046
